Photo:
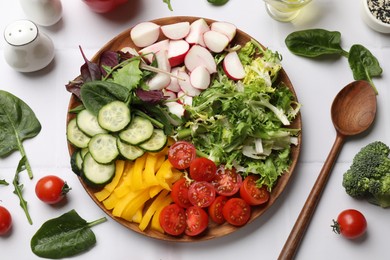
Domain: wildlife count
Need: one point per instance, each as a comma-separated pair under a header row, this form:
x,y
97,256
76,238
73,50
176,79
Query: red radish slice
x,y
169,94
175,108
176,31
184,99
177,51
197,29
174,84
159,81
226,28
200,56
145,34
185,84
215,41
233,66
200,78
154,48
162,60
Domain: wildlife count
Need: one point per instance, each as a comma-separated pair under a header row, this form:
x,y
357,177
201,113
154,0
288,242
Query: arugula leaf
x,y
17,123
4,182
19,187
168,2
315,42
64,236
363,64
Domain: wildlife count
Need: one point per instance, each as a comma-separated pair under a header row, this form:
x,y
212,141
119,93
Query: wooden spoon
x,y
353,111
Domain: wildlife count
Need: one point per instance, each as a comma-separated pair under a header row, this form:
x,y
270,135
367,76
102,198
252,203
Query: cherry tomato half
x,y
181,154
51,189
227,181
236,211
251,193
5,221
173,219
197,221
179,193
202,169
350,223
201,194
215,209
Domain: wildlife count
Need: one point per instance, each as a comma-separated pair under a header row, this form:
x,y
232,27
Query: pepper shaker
x,y
27,49
42,12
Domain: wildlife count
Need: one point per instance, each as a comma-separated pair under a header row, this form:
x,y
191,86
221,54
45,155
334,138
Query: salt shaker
x,y
27,48
42,12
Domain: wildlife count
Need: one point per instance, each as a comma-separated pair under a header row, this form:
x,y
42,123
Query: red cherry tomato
x,y
197,221
202,169
350,224
236,211
173,219
5,221
251,193
51,189
181,154
179,193
215,209
201,194
227,181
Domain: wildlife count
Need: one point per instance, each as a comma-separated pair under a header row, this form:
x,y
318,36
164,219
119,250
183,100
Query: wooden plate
x,y
214,230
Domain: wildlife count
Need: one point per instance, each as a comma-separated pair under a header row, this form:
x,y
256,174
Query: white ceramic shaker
x,y
42,12
27,49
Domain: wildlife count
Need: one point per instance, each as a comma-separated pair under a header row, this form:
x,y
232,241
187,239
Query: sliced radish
x,y
197,29
169,94
226,28
159,81
215,41
174,84
200,78
154,48
162,60
185,84
200,56
233,66
177,51
184,99
176,31
145,34
175,108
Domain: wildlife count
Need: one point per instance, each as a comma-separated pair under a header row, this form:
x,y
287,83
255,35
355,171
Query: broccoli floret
x,y
369,175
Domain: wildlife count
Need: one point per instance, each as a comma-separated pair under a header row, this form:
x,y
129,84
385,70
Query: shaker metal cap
x,y
21,32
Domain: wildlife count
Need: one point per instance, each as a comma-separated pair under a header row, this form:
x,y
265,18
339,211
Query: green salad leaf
x,y
64,236
245,124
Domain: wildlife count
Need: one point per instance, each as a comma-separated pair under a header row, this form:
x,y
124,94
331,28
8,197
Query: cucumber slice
x,y
114,116
155,143
87,122
95,173
103,148
128,151
76,162
75,136
139,130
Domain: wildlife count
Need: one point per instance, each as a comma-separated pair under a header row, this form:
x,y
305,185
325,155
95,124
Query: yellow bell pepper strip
x,y
124,202
136,180
135,204
155,223
149,179
152,209
107,190
137,218
111,201
164,173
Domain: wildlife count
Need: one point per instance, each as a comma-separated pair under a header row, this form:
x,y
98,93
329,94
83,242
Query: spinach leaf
x,y
218,2
315,42
363,64
95,94
19,188
17,123
64,236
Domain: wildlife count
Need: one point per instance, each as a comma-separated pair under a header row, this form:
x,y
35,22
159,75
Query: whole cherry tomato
x,y
51,189
5,221
350,223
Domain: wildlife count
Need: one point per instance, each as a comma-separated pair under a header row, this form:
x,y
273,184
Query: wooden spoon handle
x,y
301,224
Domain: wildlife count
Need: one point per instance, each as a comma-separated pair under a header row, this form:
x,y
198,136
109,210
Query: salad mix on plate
x,y
188,95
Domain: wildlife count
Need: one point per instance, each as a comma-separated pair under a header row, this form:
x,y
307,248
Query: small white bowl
x,y
370,19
